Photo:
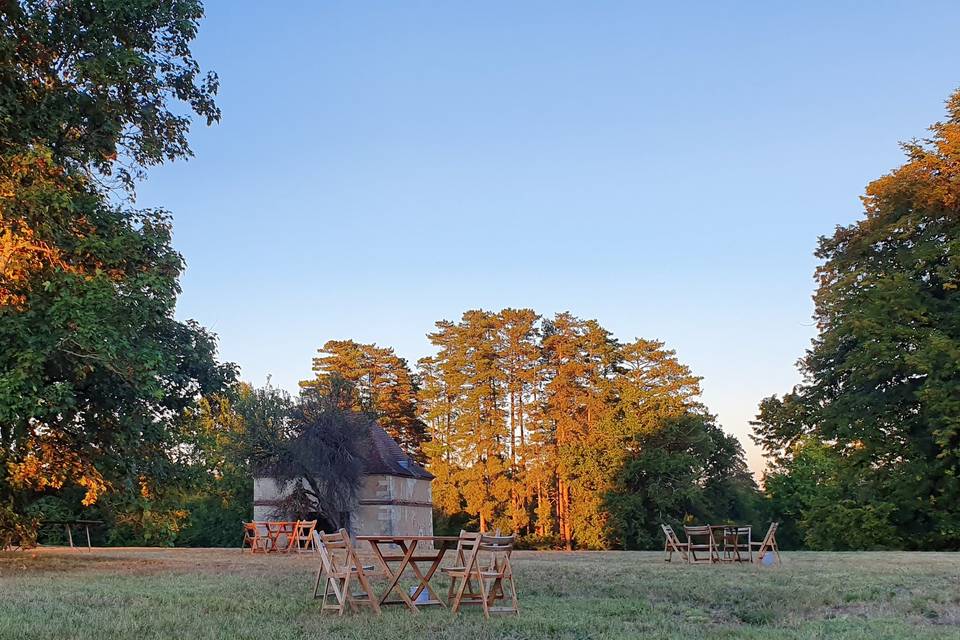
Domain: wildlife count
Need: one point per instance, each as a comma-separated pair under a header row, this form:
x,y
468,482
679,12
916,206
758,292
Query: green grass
x,y
203,593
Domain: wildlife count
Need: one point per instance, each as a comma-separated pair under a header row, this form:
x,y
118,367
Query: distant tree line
x,y
553,429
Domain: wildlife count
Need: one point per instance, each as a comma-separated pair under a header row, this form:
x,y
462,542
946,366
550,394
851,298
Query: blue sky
x,y
663,169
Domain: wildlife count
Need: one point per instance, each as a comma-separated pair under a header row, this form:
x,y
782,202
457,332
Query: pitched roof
x,y
384,456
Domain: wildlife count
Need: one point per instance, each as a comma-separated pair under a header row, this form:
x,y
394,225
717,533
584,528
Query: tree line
x,y
551,428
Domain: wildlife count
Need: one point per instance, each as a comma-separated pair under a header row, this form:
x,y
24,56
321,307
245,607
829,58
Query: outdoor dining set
x,y
480,572
279,536
728,543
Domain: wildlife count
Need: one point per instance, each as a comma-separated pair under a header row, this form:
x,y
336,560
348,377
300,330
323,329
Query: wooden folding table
x,y
275,529
411,554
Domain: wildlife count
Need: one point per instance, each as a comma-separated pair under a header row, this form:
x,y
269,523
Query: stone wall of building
x,y
388,505
393,505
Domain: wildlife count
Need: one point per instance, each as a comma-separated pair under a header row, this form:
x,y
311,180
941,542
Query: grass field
x,y
206,593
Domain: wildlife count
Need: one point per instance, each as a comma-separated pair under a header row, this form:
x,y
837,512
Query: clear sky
x,y
665,170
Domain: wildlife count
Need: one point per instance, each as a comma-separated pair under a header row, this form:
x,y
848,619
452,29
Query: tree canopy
x,y
871,439
96,374
552,428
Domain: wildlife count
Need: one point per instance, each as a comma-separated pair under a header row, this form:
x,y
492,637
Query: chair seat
x,y
492,574
453,569
368,570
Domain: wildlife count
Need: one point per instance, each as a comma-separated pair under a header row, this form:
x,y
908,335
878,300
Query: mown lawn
x,y
204,593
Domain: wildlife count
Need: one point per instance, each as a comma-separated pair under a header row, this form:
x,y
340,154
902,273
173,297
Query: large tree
x,y
95,371
882,379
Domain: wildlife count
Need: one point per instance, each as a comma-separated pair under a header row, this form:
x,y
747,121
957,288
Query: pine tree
x,y
519,353
382,384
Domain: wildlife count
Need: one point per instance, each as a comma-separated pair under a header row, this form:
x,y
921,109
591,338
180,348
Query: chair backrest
x,y
670,534
493,552
771,533
305,530
698,531
336,552
465,541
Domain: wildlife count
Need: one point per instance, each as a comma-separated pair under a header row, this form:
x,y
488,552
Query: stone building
x,y
394,498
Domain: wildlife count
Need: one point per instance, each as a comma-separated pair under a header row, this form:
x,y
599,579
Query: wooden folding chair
x,y
493,573
465,545
672,545
709,546
767,545
302,539
737,544
339,566
253,539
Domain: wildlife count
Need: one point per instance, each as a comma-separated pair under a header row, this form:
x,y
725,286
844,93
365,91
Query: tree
x,y
95,372
381,383
881,386
95,82
580,359
226,437
320,467
466,401
554,427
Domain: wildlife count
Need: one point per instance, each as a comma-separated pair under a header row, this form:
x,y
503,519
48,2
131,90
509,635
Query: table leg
x,y
425,579
69,536
397,574
87,528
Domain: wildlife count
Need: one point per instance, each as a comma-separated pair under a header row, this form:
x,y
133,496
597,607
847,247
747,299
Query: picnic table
x,y
412,550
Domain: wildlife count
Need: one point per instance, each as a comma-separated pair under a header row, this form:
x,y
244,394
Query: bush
x,y
539,543
17,531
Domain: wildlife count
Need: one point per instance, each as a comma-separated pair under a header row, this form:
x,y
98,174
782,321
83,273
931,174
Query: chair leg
x,y
346,595
365,584
513,594
483,598
316,586
326,591
451,588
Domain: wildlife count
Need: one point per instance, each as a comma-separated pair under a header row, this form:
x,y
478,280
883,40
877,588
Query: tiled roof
x,y
385,456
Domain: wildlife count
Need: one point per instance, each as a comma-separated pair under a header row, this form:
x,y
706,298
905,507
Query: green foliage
x,y
881,397
96,374
96,81
16,530
687,470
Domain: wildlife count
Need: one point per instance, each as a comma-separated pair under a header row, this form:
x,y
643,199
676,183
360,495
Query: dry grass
x,y
215,593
